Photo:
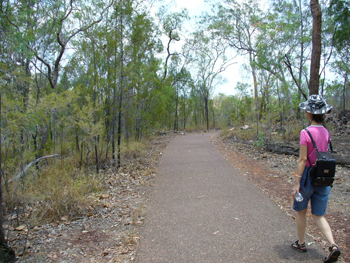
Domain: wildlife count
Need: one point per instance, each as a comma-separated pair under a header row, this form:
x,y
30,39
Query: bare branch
x,y
69,12
46,64
168,50
9,20
18,176
289,66
92,24
40,70
329,57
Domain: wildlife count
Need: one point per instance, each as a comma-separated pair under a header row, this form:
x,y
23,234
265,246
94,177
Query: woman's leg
x,y
323,225
301,225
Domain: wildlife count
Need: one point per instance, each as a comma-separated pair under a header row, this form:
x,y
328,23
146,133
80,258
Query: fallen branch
x,y
290,150
341,159
282,149
18,176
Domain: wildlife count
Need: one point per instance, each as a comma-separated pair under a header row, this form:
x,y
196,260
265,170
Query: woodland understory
x,y
109,228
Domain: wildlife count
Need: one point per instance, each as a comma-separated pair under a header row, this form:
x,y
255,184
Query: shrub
x,y
260,142
52,192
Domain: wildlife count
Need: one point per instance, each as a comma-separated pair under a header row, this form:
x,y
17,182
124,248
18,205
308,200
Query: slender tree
x,y
172,26
210,60
316,46
6,253
339,11
239,24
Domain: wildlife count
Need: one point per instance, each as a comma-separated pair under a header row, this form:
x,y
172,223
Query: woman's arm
x,y
300,168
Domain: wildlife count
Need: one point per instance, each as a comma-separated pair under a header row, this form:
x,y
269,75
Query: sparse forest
x,y
85,83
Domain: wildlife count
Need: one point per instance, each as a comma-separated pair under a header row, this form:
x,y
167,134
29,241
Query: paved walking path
x,y
204,210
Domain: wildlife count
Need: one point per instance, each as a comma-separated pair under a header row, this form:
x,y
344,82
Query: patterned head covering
x,y
316,104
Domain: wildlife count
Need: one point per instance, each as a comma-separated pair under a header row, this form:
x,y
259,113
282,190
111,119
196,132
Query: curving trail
x,y
204,210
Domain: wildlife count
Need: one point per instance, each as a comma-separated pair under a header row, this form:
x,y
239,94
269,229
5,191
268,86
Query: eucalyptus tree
x,y
245,103
316,12
47,28
284,51
226,109
320,37
308,41
86,72
286,46
299,19
6,253
286,43
172,27
6,66
181,78
44,32
341,66
209,59
239,23
143,66
113,38
339,12
185,101
123,12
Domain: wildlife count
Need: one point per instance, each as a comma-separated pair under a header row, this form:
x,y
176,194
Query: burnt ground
x,y
109,231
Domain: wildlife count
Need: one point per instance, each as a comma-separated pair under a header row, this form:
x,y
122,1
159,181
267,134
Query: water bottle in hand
x,y
299,197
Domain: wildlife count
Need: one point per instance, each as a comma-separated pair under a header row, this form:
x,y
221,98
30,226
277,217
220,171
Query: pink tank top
x,y
321,137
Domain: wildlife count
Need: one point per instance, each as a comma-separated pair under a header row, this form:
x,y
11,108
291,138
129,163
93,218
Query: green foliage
x,y
260,142
339,10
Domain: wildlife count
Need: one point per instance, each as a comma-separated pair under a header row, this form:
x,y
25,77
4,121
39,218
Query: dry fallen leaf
x,y
105,196
52,255
21,228
124,250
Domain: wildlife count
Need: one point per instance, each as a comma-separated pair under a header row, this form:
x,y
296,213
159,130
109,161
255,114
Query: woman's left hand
x,y
296,189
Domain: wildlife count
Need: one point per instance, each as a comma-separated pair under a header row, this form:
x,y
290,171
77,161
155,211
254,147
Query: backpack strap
x,y
330,147
313,142
312,139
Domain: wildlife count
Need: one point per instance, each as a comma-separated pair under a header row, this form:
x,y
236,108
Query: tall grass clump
x,y
133,149
54,191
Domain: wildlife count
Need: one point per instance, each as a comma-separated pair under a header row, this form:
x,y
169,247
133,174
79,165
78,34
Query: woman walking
x,y
315,108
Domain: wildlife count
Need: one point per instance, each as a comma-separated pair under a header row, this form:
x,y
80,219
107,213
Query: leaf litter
x,y
110,229
274,175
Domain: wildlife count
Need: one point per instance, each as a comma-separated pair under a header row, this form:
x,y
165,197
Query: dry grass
x,y
133,149
290,133
61,189
55,192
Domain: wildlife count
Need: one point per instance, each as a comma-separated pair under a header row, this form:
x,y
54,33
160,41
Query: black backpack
x,y
323,172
